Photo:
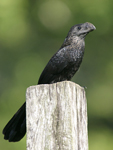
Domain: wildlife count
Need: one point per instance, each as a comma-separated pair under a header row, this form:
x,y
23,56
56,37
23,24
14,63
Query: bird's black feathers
x,y
62,66
16,127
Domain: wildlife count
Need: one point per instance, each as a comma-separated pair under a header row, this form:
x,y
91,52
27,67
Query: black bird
x,y
62,66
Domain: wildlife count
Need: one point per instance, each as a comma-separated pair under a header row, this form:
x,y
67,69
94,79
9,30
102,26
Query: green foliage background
x,y
31,32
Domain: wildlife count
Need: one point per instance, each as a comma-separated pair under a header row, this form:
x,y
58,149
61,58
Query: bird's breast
x,y
75,53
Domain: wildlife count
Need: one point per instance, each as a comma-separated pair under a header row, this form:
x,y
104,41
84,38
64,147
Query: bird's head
x,y
81,30
77,33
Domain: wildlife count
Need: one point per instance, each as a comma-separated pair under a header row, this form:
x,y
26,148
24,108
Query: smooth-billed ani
x,y
62,66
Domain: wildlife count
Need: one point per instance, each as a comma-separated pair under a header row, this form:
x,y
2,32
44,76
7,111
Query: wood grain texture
x,y
56,117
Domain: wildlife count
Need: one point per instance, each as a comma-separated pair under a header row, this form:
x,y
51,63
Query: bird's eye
x,y
79,28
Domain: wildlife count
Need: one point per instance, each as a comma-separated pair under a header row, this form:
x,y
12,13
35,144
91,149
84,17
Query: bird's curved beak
x,y
86,28
89,27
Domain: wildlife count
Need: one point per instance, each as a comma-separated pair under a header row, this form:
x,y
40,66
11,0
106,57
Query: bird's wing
x,y
55,66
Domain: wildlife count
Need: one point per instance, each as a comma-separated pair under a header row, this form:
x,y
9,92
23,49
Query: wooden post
x,y
56,117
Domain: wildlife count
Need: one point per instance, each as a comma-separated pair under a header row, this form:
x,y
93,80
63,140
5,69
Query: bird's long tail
x,y
16,127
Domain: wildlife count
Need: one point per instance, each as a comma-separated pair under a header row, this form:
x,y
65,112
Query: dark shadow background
x,y
31,32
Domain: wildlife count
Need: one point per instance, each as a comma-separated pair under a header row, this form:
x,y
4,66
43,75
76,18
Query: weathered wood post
x,y
56,117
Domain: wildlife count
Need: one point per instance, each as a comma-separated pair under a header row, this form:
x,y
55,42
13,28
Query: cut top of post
x,y
56,117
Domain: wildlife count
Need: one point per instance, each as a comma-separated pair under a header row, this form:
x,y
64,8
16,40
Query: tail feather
x,y
16,128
